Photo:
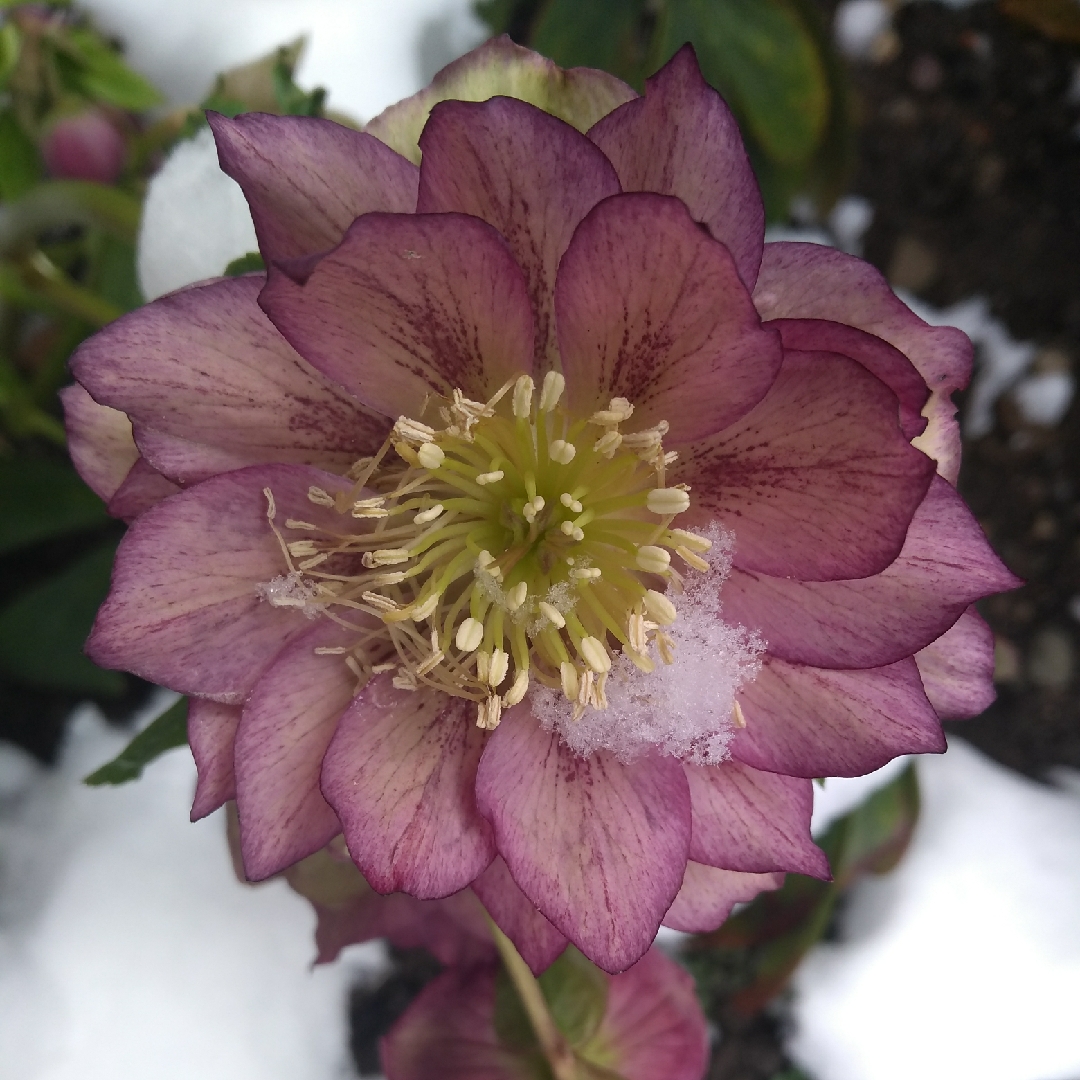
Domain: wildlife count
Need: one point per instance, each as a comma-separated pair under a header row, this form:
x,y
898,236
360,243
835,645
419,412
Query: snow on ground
x,y
965,961
128,949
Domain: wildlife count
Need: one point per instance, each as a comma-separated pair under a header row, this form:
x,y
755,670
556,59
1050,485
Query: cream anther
x,y
552,390
568,676
608,443
385,557
515,597
690,540
518,688
523,395
488,713
659,607
292,523
379,603
666,647
469,635
586,573
561,451
737,717
653,560
420,612
319,497
498,667
688,557
595,654
667,501
302,547
618,410
552,614
430,455
486,478
369,508
413,431
428,515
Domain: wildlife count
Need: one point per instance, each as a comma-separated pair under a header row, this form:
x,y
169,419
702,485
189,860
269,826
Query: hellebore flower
x,y
542,530
84,146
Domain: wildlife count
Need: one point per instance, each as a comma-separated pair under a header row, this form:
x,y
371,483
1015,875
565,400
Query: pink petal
x,y
143,487
808,281
708,895
875,354
400,773
597,845
527,173
807,721
681,139
944,565
210,386
408,305
654,1025
184,610
211,730
817,481
957,670
99,441
651,309
752,821
538,942
580,96
307,179
288,721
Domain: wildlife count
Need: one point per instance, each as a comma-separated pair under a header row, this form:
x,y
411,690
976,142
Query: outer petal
x,y
536,939
99,440
653,1025
752,821
808,281
681,139
957,670
598,846
288,721
807,721
651,309
142,488
307,179
527,173
708,895
400,773
944,565
817,481
211,730
580,96
183,610
211,386
408,305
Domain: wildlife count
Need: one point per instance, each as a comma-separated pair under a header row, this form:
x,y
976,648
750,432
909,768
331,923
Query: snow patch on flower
x,y
684,709
290,590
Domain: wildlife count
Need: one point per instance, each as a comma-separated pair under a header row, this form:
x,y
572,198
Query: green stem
x,y
46,278
553,1044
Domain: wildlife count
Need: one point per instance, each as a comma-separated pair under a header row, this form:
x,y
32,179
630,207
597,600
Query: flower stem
x,y
553,1044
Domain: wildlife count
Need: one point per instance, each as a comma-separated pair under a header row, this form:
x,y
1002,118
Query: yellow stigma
x,y
517,541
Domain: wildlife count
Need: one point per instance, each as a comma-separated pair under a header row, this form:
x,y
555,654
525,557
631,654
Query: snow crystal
x,y
290,590
683,708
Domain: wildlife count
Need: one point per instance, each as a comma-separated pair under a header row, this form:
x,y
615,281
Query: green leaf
x,y
42,499
112,272
57,204
496,13
246,264
103,76
42,631
576,991
166,733
10,45
603,34
20,162
290,98
762,57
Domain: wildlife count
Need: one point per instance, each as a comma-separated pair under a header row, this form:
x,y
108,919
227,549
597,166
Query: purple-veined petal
x,y
538,942
681,139
817,481
944,565
400,773
287,723
653,1028
708,895
529,174
808,281
580,96
211,730
99,440
410,305
143,487
649,308
752,821
210,386
597,845
807,721
184,610
307,179
875,354
957,669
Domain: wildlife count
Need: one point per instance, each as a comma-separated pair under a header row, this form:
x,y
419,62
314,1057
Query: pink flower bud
x,y
84,146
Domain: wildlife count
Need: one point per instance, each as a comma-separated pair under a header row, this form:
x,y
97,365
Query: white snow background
x,y
128,951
